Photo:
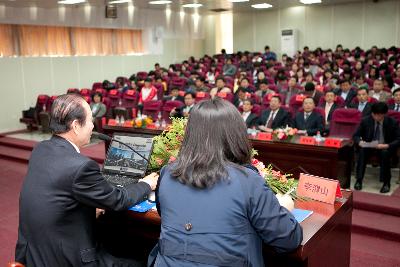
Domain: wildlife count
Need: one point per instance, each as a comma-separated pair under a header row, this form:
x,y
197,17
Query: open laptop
x,y
122,166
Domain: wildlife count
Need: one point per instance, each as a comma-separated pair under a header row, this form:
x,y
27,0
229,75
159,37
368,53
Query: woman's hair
x,y
97,94
215,137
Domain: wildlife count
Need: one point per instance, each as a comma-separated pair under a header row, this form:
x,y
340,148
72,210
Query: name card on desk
x,y
333,142
318,188
112,122
264,136
307,140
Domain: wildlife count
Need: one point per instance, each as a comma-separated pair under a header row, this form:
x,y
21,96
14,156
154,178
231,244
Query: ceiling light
x,y
308,2
194,5
261,6
71,2
119,1
160,2
238,1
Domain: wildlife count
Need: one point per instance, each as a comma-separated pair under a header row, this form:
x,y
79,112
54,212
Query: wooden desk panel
x,y
326,235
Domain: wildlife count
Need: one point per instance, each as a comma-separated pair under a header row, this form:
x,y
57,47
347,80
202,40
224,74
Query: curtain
x,y
7,41
29,40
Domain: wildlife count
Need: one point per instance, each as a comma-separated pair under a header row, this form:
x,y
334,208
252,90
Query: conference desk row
x,y
287,156
326,232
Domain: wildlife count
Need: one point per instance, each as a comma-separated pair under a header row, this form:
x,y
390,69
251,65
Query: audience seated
x,y
396,98
274,117
240,95
362,103
329,106
308,121
174,95
309,90
248,116
346,92
220,87
385,131
229,69
148,92
291,90
263,89
378,93
184,111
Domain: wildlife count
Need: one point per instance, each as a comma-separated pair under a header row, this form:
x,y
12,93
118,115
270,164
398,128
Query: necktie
x,y
377,133
397,107
271,119
306,116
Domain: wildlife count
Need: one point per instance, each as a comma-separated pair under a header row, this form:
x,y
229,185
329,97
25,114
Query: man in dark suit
x,y
362,105
290,91
309,121
174,95
249,118
346,92
309,90
274,117
329,106
61,191
396,97
386,133
184,111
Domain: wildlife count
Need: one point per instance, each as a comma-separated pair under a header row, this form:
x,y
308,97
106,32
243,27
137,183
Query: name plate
x,y
200,94
318,188
112,122
221,94
332,142
264,136
300,98
307,140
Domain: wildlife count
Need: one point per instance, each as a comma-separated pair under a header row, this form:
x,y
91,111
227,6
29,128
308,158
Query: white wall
x,y
23,78
355,24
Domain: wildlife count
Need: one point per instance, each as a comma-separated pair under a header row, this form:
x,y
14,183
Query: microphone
x,y
105,137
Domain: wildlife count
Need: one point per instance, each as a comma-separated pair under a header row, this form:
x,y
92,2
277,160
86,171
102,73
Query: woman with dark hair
x,y
216,210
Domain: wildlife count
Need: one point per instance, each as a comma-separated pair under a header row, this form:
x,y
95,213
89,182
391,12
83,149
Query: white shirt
x,y
376,95
272,115
245,115
76,148
328,107
146,92
344,94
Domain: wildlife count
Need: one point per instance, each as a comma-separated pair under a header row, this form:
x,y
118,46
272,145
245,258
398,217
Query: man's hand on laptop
x,y
151,180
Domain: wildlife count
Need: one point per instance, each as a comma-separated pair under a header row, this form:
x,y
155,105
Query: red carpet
x,y
376,219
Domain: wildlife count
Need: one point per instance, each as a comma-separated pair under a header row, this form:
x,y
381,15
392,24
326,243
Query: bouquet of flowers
x,y
286,133
166,148
142,121
278,182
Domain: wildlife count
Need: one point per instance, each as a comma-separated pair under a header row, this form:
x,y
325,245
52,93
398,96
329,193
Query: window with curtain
x,y
30,40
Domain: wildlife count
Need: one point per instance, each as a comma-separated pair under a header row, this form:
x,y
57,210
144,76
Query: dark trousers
x,y
384,156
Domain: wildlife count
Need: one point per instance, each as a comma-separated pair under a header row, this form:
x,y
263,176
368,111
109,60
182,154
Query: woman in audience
x,y
212,173
98,109
212,74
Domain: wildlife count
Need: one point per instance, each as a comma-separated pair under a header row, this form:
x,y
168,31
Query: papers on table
x,y
372,144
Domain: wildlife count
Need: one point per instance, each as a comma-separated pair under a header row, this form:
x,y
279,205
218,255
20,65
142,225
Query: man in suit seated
x,y
184,111
329,106
396,98
309,90
378,93
249,118
240,95
346,92
290,91
274,117
363,105
220,87
383,130
174,95
309,121
263,89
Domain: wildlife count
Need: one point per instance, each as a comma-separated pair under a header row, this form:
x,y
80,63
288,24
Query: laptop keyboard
x,y
120,180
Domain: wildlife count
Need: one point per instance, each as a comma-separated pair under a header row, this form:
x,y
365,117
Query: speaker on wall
x,y
111,12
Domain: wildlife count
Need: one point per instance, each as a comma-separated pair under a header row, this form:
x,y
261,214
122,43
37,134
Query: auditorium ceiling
x,y
208,5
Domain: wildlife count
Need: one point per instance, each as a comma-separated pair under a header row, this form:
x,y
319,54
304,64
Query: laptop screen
x,y
122,160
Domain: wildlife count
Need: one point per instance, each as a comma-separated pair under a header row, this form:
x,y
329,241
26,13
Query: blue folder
x,y
301,215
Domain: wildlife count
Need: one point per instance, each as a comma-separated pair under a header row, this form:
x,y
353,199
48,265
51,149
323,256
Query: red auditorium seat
x,y
97,85
141,75
129,99
41,102
152,108
344,122
102,91
86,91
227,96
168,106
73,91
394,114
201,96
115,98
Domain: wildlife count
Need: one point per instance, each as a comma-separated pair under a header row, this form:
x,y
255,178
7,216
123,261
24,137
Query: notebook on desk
x,y
122,166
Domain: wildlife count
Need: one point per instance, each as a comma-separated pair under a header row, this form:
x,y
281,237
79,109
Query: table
x,y
326,235
289,157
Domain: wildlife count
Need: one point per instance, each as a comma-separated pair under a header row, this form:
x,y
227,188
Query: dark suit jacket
x,y
392,106
334,106
282,118
251,120
390,128
352,93
313,124
317,95
366,111
57,208
179,112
